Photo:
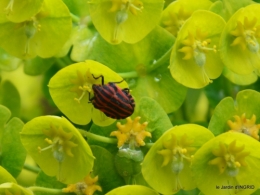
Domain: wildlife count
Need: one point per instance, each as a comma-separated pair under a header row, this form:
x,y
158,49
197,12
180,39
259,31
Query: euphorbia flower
x,y
239,41
132,132
227,162
194,59
86,187
176,13
170,157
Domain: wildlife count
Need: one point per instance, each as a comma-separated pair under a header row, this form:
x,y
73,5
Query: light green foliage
x,y
19,11
208,176
155,167
8,62
49,27
13,188
74,149
6,176
128,21
12,152
133,190
37,65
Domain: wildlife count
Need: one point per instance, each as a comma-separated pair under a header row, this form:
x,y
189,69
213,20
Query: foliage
x,y
187,69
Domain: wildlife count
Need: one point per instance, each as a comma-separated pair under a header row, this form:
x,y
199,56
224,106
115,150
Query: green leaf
x,y
6,176
104,167
66,147
125,21
44,180
78,7
37,65
241,58
247,102
154,169
152,112
10,97
143,65
66,83
12,152
132,190
19,11
194,66
44,35
8,62
208,176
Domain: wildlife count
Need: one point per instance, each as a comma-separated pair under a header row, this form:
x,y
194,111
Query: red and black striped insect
x,y
111,100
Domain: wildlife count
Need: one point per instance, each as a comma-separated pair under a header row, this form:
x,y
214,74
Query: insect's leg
x,y
127,90
102,78
119,81
90,99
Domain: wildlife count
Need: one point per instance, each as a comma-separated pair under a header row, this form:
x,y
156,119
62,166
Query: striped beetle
x,y
114,102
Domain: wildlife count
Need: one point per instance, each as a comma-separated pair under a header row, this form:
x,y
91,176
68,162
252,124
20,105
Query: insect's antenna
x,y
119,81
102,78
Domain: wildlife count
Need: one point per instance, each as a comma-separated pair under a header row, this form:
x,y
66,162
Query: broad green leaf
x,y
10,97
8,62
194,64
66,83
239,54
132,190
44,180
60,133
78,7
37,65
207,176
175,14
240,79
6,176
44,35
246,102
128,21
190,137
143,65
104,167
13,153
19,11
13,188
152,112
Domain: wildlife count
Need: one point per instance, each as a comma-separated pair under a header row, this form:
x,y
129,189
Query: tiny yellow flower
x,y
123,5
86,187
246,35
244,125
131,131
82,84
59,141
229,158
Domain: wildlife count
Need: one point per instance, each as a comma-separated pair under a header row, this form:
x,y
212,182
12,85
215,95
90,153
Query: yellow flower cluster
x,y
132,130
86,187
244,125
132,5
229,158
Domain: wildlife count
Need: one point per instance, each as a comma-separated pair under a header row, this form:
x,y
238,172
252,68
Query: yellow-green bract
x,y
169,159
239,43
194,59
128,21
70,88
132,190
58,148
12,188
208,177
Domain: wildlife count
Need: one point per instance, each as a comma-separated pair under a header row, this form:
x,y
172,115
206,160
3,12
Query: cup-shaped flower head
x,y
55,144
239,44
175,14
169,159
71,90
42,34
194,59
241,115
227,163
125,20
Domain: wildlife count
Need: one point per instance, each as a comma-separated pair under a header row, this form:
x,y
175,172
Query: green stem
x,y
75,18
60,63
161,61
98,137
46,190
127,75
31,168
